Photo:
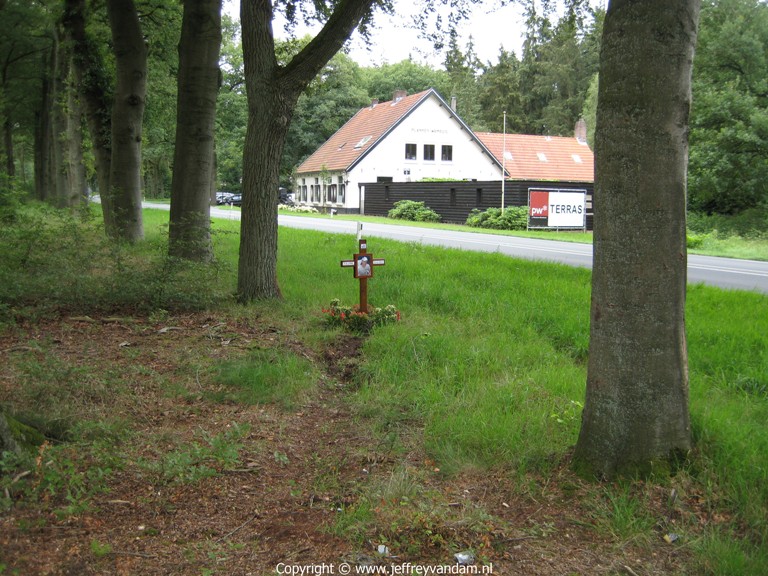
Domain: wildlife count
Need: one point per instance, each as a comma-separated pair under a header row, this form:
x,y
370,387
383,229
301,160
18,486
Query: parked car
x,y
235,200
223,197
285,197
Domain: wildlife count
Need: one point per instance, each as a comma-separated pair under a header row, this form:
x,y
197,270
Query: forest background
x,y
544,90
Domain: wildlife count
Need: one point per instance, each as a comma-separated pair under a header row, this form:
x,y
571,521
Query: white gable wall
x,y
429,124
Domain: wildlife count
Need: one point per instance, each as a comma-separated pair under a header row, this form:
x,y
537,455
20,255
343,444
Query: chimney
x,y
399,95
580,131
453,103
374,102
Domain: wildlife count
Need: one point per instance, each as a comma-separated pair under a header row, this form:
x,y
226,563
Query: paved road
x,y
722,272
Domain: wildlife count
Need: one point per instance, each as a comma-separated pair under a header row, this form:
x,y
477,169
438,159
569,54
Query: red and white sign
x,y
557,208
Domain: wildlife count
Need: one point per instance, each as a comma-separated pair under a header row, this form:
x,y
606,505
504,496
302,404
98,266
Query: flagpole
x,y
503,160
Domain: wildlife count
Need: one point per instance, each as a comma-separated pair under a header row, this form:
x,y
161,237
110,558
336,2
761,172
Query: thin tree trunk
x,y
193,165
127,117
94,88
10,169
636,411
58,127
77,180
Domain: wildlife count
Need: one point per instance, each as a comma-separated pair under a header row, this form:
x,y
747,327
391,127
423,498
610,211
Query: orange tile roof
x,y
549,158
361,133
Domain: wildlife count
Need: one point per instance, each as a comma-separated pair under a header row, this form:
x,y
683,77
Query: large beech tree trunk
x,y
193,161
636,411
127,117
273,91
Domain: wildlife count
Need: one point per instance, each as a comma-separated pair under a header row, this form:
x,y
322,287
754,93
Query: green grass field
x,y
487,365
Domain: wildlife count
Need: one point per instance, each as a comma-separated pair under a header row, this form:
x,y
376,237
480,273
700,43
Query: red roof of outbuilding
x,y
554,158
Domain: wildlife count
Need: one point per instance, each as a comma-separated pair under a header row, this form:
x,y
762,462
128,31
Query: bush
x,y
695,240
751,223
513,218
414,211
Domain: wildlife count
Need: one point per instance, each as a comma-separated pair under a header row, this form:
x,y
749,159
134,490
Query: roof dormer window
x,y
542,156
363,142
577,159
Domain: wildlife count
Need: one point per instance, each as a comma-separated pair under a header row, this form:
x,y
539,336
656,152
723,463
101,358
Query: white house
x,y
408,139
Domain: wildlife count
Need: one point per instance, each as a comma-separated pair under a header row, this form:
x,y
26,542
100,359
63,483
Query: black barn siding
x,y
455,200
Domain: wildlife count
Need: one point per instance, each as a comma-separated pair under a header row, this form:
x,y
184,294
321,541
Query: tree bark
x,y
193,163
273,91
42,135
77,181
8,442
127,117
59,155
636,411
94,90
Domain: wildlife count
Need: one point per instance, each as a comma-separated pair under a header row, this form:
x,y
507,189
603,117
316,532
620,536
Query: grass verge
x,y
485,371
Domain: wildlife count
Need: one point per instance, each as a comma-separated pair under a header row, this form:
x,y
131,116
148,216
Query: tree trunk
x,y
10,168
8,441
42,145
193,162
273,91
94,89
59,144
77,180
127,116
636,411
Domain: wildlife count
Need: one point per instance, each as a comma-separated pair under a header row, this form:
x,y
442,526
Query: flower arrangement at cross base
x,y
355,320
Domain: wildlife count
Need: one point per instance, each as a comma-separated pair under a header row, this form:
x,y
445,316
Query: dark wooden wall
x,y
455,200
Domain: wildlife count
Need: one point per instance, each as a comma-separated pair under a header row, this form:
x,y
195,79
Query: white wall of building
x,y
430,124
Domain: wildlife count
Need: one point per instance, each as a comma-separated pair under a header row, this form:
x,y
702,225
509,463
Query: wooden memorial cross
x,y
362,265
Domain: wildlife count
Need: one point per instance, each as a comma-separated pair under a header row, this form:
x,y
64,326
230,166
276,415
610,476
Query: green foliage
x,y
264,376
352,319
749,224
381,82
200,460
59,476
414,211
513,218
62,261
100,550
729,116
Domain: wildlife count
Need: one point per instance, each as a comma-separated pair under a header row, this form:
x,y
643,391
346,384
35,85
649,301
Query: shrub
x,y
513,218
751,223
695,240
414,211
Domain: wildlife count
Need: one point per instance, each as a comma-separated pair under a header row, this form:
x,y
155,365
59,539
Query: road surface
x,y
727,273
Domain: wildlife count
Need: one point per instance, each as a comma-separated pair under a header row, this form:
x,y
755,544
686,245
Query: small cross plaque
x,y
362,265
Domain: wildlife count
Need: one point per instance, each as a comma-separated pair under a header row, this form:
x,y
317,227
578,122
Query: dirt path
x,y
312,486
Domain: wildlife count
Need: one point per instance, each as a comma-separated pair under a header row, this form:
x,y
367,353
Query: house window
x,y
342,189
429,152
332,193
304,193
446,153
410,151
